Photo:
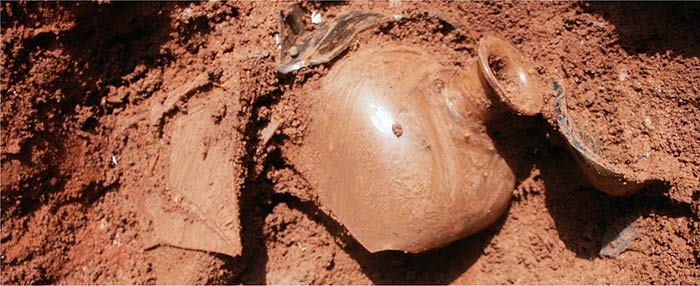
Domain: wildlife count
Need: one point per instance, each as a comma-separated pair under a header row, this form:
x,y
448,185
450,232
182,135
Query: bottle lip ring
x,y
529,103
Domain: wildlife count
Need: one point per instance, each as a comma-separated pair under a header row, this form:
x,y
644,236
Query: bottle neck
x,y
469,95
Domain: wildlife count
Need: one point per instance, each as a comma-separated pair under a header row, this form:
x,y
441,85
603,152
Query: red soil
x,y
106,107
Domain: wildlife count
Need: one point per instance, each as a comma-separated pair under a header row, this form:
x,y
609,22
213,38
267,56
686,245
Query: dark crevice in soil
x,y
255,196
47,281
232,264
254,207
88,196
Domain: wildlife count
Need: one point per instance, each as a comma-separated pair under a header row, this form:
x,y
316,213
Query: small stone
x,y
637,86
615,242
398,130
293,51
316,18
14,147
647,123
622,76
269,131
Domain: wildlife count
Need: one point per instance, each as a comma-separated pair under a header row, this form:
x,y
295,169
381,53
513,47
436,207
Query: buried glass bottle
x,y
398,147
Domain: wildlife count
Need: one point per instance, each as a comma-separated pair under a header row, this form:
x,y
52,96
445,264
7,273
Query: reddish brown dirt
x,y
83,83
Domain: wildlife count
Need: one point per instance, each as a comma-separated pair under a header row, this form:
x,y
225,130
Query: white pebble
x,y
622,76
316,17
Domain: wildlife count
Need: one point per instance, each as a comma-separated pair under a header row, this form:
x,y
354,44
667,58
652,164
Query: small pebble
x,y
316,17
637,86
614,244
293,51
398,130
622,76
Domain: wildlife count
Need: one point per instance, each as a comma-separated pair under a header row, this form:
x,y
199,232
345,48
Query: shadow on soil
x,y
586,218
579,212
583,216
439,266
650,28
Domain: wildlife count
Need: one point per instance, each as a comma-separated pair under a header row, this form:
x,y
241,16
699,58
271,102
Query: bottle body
x,y
398,150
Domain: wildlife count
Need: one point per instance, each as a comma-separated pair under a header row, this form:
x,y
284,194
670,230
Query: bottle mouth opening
x,y
509,75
